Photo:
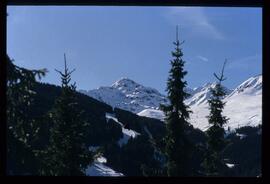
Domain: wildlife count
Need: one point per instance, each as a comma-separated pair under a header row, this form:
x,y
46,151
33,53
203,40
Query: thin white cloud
x,y
247,58
203,58
244,62
195,19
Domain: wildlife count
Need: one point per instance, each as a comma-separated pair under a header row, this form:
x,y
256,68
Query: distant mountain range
x,y
243,104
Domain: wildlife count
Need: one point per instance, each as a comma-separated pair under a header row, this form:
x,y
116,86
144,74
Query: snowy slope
x,y
199,96
152,113
98,168
202,94
128,95
243,105
242,111
127,133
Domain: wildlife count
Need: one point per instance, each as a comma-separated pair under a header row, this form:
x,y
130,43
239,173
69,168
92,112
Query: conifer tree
x,y
67,153
21,129
213,162
178,147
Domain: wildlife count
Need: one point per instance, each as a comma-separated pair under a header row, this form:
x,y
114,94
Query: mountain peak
x,y
123,81
129,95
203,93
208,84
251,86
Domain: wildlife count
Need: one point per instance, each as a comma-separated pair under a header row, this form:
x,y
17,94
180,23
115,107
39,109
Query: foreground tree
x,y
213,162
178,147
21,129
67,153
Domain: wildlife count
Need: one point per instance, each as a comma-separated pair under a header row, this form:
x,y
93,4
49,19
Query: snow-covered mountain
x,y
128,95
252,86
243,104
200,95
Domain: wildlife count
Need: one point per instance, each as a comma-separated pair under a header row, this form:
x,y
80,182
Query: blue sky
x,y
107,43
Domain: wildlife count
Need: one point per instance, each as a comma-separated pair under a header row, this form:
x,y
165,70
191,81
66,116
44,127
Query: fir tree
x,y
67,153
213,162
178,146
21,128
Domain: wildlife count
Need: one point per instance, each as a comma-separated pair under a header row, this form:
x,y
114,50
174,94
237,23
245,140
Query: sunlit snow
x,y
243,106
127,133
98,168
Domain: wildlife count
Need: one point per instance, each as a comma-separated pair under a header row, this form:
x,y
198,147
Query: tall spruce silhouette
x,y
213,162
178,147
67,153
21,127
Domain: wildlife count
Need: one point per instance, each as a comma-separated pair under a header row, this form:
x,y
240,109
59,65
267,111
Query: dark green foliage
x,y
116,156
94,110
213,163
49,93
136,158
248,130
67,153
178,146
245,153
198,140
114,129
129,119
112,151
22,129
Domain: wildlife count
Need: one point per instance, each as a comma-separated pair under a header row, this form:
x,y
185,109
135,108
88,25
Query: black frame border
x,y
208,3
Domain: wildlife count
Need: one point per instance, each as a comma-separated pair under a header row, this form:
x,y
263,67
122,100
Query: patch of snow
x,y
102,159
98,168
152,113
230,165
130,133
127,133
112,116
242,136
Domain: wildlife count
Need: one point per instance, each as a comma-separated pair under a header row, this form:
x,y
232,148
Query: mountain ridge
x,y
128,95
